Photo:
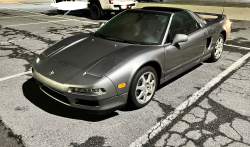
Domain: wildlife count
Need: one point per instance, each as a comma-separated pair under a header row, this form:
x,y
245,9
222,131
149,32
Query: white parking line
x,y
18,16
50,16
246,48
14,76
35,23
191,100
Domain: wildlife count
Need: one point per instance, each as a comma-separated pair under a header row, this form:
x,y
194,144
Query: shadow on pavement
x,y
33,93
78,13
177,77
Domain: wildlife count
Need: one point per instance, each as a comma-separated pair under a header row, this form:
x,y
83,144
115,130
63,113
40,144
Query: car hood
x,y
83,54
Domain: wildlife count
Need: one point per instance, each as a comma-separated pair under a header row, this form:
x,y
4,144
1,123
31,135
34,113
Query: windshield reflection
x,y
135,27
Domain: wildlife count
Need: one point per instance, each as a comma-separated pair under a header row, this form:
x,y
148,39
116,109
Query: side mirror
x,y
179,38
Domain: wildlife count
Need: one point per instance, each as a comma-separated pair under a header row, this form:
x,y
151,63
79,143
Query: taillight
x,y
111,1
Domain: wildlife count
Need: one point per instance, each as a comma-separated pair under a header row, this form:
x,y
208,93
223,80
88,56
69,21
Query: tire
x,y
95,11
218,48
141,92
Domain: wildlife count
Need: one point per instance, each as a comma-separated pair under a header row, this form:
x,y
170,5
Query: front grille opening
x,y
86,102
55,94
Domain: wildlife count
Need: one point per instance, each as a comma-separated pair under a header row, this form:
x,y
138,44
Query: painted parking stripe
x,y
17,16
35,23
156,129
28,6
241,47
14,76
50,16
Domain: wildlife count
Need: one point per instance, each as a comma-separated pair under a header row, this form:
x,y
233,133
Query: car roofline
x,y
164,9
144,10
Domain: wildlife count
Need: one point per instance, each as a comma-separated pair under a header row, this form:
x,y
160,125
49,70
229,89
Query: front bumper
x,y
93,103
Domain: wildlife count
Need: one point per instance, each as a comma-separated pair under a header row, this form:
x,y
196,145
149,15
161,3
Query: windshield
x,y
138,27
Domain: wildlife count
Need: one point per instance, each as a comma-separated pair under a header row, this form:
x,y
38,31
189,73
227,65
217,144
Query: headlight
x,y
87,91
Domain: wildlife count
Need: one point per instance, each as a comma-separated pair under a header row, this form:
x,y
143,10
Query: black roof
x,y
164,9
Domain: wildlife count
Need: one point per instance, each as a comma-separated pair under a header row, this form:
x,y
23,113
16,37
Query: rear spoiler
x,y
220,16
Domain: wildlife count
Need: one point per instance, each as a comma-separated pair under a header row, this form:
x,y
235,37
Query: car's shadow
x,y
78,13
33,93
177,77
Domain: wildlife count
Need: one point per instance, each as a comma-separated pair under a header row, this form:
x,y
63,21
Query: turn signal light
x,y
121,85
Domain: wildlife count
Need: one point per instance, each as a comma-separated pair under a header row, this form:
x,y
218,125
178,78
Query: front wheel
x,y
218,48
143,87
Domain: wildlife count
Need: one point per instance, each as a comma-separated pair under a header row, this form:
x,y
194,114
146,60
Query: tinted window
x,y
136,26
182,23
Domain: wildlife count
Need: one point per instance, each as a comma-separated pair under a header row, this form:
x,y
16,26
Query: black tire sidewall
x,y
213,59
95,6
131,95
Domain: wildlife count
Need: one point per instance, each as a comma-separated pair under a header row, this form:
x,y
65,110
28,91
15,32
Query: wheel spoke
x,y
216,52
152,83
140,95
145,97
150,90
221,40
140,87
149,78
143,80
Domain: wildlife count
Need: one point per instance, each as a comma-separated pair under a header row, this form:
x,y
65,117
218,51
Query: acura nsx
x,y
124,61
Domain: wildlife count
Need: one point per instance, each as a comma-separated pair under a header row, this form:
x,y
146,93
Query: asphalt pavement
x,y
221,118
35,119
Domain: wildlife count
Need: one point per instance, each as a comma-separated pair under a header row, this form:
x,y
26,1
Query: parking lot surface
x,y
38,120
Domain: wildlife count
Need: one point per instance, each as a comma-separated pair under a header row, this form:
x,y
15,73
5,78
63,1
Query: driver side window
x,y
182,23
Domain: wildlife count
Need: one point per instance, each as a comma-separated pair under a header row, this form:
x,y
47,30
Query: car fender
x,y
125,71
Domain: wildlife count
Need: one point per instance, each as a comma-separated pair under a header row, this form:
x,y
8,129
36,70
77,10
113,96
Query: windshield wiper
x,y
121,40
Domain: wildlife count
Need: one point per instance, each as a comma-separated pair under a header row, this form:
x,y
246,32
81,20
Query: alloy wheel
x,y
218,47
145,87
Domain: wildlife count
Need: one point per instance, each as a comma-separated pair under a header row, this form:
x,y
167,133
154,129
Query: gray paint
x,y
86,61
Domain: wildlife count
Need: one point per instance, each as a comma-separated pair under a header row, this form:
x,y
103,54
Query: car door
x,y
185,54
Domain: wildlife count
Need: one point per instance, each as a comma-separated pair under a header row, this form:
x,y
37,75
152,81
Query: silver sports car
x,y
125,60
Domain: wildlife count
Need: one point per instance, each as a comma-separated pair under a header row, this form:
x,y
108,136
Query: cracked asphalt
x,y
222,118
30,118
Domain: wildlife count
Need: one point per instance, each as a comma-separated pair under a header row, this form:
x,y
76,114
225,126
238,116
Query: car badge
x,y
51,73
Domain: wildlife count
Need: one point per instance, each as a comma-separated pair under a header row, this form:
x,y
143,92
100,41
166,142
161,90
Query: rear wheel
x,y
95,11
218,48
143,87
